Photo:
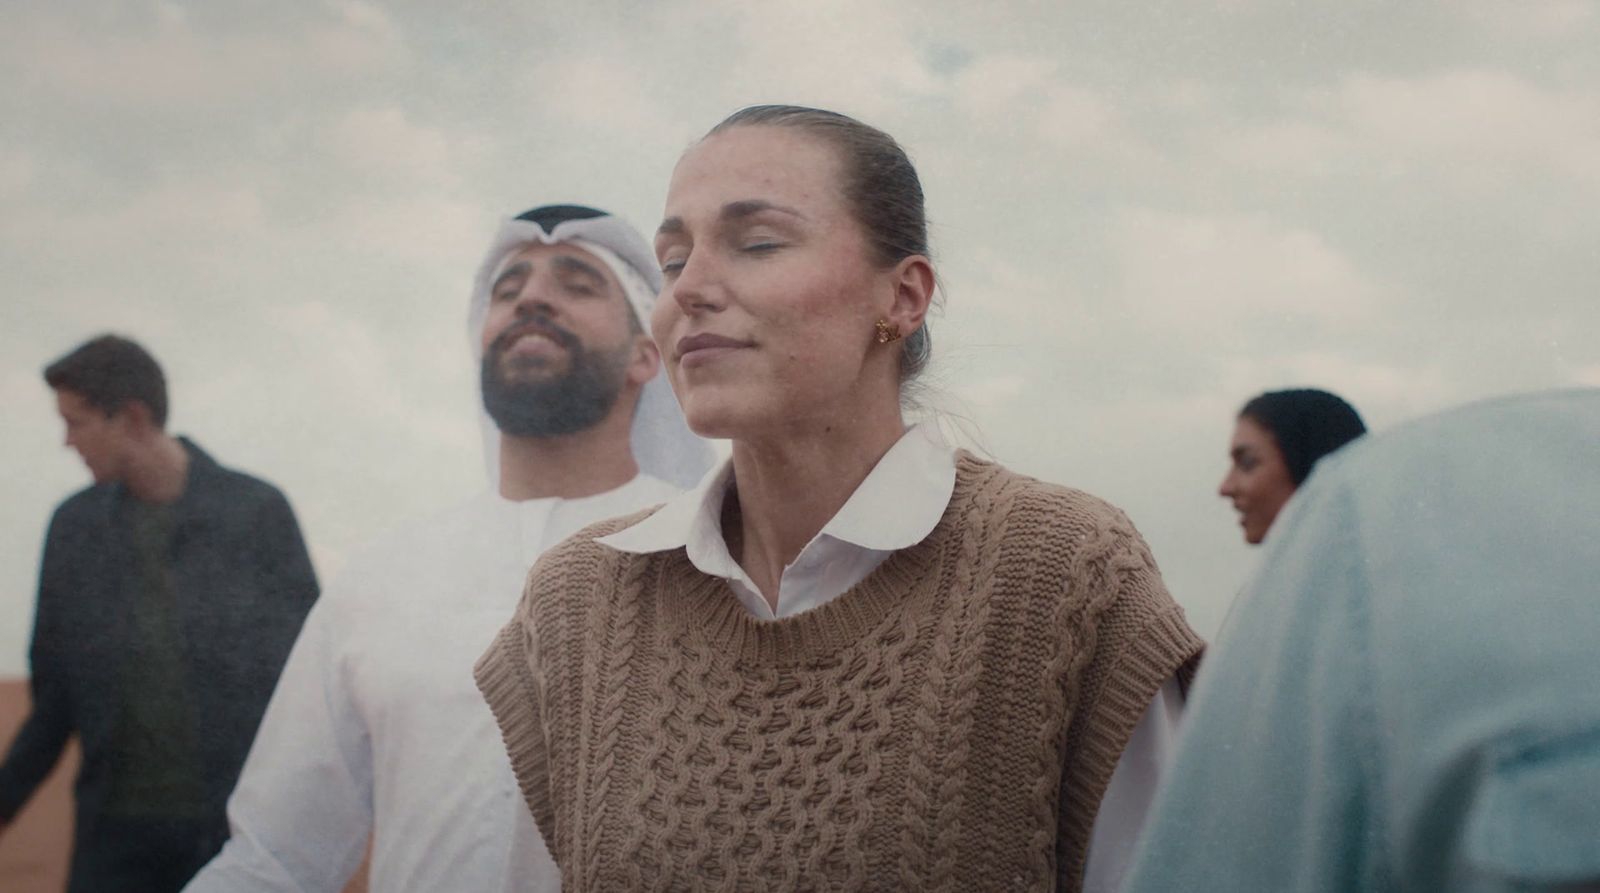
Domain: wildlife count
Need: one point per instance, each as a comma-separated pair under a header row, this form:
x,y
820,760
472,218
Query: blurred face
x,y
1258,483
769,298
102,441
557,342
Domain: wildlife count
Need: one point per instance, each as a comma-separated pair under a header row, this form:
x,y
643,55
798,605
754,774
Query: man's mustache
x,y
555,333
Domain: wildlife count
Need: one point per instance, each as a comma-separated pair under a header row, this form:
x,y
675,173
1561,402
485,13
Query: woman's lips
x,y
697,350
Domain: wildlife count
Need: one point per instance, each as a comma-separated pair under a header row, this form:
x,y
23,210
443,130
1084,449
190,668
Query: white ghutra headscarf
x,y
663,445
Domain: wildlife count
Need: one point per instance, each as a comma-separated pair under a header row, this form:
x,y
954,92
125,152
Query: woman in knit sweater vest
x,y
852,658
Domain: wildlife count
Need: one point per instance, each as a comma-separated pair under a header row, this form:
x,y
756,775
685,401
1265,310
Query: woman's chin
x,y
717,420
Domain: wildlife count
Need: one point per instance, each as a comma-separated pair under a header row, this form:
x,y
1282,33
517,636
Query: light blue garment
x,y
1408,697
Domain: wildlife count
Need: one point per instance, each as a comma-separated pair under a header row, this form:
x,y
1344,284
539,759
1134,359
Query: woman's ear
x,y
913,293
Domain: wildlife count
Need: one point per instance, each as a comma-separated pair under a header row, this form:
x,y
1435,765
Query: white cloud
x,y
190,215
427,227
1587,376
1297,146
1005,286
18,170
857,57
1214,274
1026,94
1072,116
360,18
171,14
1382,388
1191,97
1475,126
600,89
999,84
171,63
1448,112
385,140
24,391
1475,131
1547,20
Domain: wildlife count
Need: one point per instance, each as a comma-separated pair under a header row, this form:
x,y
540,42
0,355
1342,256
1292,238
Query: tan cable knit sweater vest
x,y
949,724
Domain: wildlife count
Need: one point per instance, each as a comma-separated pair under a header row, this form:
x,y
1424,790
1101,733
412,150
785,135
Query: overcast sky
x,y
1143,214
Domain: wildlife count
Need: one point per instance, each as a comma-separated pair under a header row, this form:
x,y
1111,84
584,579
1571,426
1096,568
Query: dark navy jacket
x,y
242,583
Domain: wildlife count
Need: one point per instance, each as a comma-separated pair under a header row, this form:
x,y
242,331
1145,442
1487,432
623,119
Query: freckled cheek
x,y
820,349
826,308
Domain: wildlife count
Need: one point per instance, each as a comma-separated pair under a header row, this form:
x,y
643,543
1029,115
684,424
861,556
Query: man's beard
x,y
559,404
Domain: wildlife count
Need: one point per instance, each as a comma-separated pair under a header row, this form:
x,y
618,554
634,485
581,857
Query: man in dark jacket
x,y
170,593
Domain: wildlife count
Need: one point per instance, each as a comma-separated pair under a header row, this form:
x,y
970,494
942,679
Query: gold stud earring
x,y
887,331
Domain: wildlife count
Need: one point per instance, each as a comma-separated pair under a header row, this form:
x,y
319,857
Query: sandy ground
x,y
33,851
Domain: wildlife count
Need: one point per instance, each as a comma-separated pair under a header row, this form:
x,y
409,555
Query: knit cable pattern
x,y
948,724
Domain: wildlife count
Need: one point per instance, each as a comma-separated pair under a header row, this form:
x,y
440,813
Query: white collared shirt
x,y
895,507
376,726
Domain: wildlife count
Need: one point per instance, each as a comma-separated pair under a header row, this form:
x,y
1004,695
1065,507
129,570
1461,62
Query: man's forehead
x,y
72,403
562,254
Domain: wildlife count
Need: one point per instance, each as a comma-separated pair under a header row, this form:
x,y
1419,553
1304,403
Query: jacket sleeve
x,y
302,812
284,564
43,735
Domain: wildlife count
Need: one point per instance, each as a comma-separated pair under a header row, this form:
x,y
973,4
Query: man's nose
x,y
533,308
538,303
536,299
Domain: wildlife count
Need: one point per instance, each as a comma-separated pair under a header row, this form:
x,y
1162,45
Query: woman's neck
x,y
788,488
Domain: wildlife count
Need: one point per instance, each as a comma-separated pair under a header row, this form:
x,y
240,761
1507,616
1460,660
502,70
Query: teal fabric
x,y
1408,697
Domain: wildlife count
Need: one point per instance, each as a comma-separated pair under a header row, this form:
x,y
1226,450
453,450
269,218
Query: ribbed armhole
x,y
1164,649
506,681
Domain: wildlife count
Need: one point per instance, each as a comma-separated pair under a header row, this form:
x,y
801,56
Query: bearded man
x,y
376,729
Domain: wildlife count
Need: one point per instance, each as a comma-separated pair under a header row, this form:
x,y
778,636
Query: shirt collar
x,y
673,525
903,497
896,506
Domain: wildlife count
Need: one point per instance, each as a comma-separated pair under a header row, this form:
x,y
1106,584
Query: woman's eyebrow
x,y
749,207
736,210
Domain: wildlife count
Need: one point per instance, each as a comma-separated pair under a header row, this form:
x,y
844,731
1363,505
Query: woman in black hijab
x,y
1279,436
